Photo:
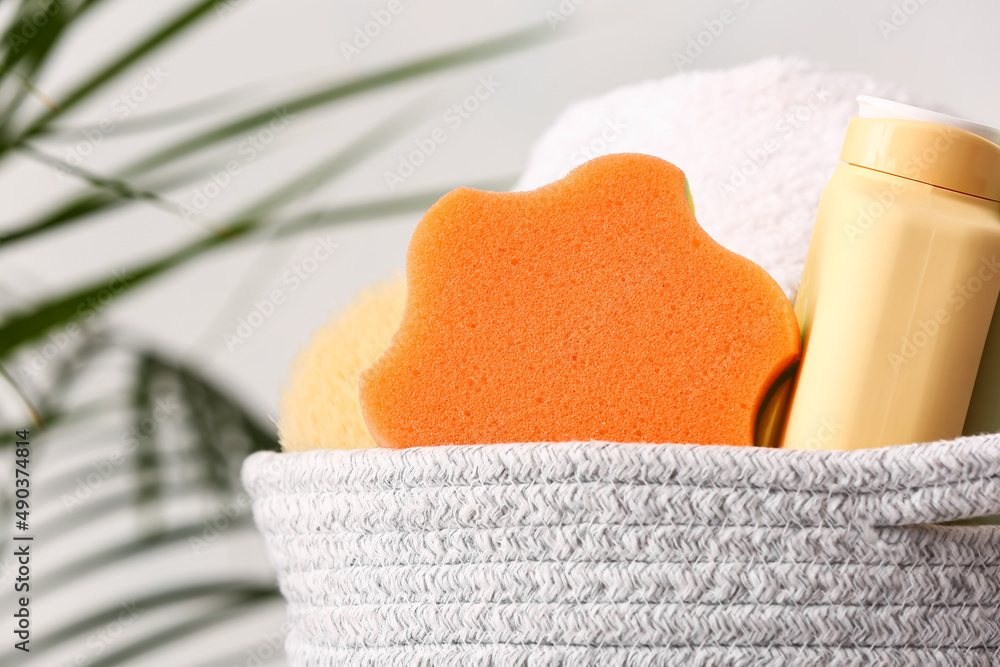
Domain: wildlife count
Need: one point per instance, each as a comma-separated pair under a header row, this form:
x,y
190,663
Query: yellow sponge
x,y
320,408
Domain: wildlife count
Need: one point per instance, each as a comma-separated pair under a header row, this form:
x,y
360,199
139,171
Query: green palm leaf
x,y
338,91
157,38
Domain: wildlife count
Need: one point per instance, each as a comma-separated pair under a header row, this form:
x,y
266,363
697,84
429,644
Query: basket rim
x,y
902,484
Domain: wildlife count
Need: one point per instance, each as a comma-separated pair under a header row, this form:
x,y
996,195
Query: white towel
x,y
758,144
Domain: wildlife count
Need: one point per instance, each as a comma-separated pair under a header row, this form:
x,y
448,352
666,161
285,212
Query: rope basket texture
x,y
635,555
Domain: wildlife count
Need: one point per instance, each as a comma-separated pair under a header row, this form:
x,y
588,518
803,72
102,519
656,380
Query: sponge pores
x,y
593,308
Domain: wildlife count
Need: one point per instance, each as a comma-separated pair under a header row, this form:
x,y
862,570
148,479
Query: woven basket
x,y
610,555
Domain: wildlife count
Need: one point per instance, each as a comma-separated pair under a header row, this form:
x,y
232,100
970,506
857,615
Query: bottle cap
x,y
876,107
924,146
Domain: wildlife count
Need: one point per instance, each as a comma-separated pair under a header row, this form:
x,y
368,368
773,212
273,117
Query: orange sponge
x,y
595,307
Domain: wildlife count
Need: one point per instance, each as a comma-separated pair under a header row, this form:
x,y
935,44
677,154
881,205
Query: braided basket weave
x,y
613,555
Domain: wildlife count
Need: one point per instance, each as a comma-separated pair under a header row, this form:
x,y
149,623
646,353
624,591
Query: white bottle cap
x,y
875,107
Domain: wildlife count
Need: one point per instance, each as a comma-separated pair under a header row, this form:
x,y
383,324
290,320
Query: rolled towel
x,y
758,143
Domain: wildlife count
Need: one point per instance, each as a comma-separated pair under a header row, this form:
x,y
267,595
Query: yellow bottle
x,y
900,282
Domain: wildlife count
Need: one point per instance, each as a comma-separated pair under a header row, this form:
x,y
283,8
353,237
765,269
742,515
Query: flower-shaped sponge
x,y
594,307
